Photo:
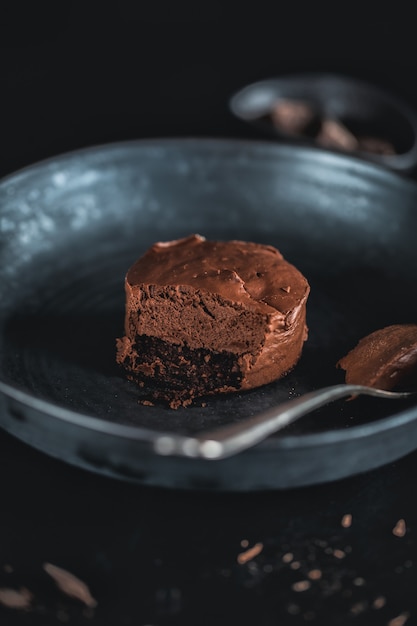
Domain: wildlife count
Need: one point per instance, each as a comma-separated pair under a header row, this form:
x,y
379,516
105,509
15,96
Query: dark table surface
x,y
327,554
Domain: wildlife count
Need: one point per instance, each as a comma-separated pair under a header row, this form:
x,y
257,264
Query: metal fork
x,y
228,440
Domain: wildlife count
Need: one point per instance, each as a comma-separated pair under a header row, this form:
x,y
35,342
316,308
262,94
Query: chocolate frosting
x,y
385,359
239,271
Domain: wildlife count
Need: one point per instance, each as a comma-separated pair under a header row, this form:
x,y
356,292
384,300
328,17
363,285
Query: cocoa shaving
x,y
16,599
400,620
70,584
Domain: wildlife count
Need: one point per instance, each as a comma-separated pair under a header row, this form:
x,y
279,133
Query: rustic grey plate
x,y
71,226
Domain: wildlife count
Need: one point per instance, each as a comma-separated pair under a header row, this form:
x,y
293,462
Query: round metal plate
x,y
71,226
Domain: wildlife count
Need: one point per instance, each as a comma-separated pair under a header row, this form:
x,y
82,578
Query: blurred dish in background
x,y
333,112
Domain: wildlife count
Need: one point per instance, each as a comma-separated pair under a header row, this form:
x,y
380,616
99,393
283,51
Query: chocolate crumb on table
x,y
315,574
16,598
287,557
358,607
339,554
250,554
346,520
301,585
400,528
379,602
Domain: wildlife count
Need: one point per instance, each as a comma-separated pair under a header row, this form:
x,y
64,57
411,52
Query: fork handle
x,y
233,438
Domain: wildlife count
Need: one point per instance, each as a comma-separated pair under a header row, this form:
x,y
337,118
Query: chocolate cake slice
x,y
206,317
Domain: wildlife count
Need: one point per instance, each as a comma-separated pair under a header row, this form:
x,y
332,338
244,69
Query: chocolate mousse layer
x,y
205,317
385,359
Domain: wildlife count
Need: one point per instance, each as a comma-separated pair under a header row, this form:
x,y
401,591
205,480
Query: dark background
x,y
151,557
76,79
